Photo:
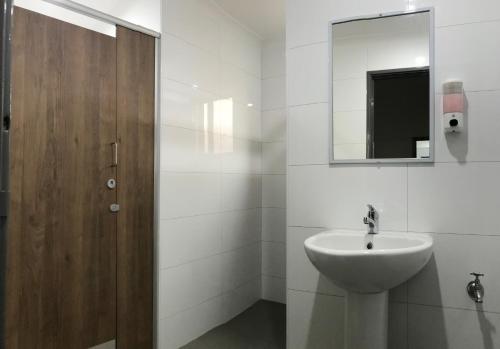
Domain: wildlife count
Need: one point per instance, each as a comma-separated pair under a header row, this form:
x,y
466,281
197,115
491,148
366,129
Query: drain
x,y
369,246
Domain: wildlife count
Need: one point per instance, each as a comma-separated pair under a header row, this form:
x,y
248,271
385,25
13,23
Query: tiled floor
x,y
262,326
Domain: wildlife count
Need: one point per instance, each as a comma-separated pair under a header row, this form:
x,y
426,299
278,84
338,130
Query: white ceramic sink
x,y
344,257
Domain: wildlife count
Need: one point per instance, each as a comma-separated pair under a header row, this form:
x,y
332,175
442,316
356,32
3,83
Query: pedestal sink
x,y
367,266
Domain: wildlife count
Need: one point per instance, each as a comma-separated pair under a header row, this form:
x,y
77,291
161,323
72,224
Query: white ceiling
x,y
264,17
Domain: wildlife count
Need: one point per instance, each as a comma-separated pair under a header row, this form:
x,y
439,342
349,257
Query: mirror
x,y
382,98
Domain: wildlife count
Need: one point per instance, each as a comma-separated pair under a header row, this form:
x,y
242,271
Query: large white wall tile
x,y
431,327
274,125
308,134
190,284
240,155
474,61
240,266
189,194
190,65
186,106
274,224
274,289
450,12
314,320
274,191
307,75
274,158
240,228
454,198
185,150
240,191
239,85
274,93
239,47
239,299
187,239
274,259
442,282
336,197
273,59
194,21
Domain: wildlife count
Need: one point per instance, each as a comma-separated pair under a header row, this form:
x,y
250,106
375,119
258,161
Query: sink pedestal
x,y
366,320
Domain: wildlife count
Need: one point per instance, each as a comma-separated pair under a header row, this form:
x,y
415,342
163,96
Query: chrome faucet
x,y
371,219
475,289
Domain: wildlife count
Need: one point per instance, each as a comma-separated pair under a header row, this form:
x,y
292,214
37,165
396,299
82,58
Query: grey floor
x,y
262,326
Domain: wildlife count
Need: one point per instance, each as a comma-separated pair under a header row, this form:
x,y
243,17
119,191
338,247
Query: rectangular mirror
x,y
382,95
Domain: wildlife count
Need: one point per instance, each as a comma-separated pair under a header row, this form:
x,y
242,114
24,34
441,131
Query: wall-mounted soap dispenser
x,y
453,107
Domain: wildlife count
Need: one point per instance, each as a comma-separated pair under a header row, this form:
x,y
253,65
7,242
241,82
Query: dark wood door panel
x,y
135,110
61,272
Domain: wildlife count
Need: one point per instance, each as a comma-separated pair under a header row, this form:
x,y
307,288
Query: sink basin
x,y
368,263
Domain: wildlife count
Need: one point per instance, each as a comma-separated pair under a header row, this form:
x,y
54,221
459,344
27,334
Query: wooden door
x,y
136,96
61,273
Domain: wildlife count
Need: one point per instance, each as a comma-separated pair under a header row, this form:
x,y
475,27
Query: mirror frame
x,y
432,92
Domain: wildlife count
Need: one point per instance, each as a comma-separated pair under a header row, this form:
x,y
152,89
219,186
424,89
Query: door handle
x,y
115,154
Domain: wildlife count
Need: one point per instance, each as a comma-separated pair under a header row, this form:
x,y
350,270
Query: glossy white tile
x,y
336,197
274,125
274,224
274,191
307,74
474,61
274,289
240,191
274,93
190,238
274,259
189,194
240,266
454,198
191,65
273,59
240,228
308,135
274,158
185,150
189,285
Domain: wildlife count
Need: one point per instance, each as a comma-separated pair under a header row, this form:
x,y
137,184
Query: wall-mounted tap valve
x,y
475,289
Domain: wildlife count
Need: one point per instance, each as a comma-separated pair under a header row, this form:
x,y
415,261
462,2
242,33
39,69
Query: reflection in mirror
x,y
381,102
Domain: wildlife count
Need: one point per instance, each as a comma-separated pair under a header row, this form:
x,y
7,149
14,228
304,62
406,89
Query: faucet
x,y
371,219
475,289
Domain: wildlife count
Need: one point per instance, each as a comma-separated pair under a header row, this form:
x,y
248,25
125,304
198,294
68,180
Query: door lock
x,y
111,183
114,207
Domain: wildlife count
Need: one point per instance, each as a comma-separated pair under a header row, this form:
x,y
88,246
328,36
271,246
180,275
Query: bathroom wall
x,y
456,199
211,165
273,171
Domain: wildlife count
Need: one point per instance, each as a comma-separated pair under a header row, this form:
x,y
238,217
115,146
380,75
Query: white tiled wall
x,y
211,172
456,199
274,171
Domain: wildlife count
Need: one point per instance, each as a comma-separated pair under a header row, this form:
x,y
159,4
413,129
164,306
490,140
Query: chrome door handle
x,y
115,153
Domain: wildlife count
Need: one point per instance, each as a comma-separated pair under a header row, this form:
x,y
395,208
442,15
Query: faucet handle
x,y
477,275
